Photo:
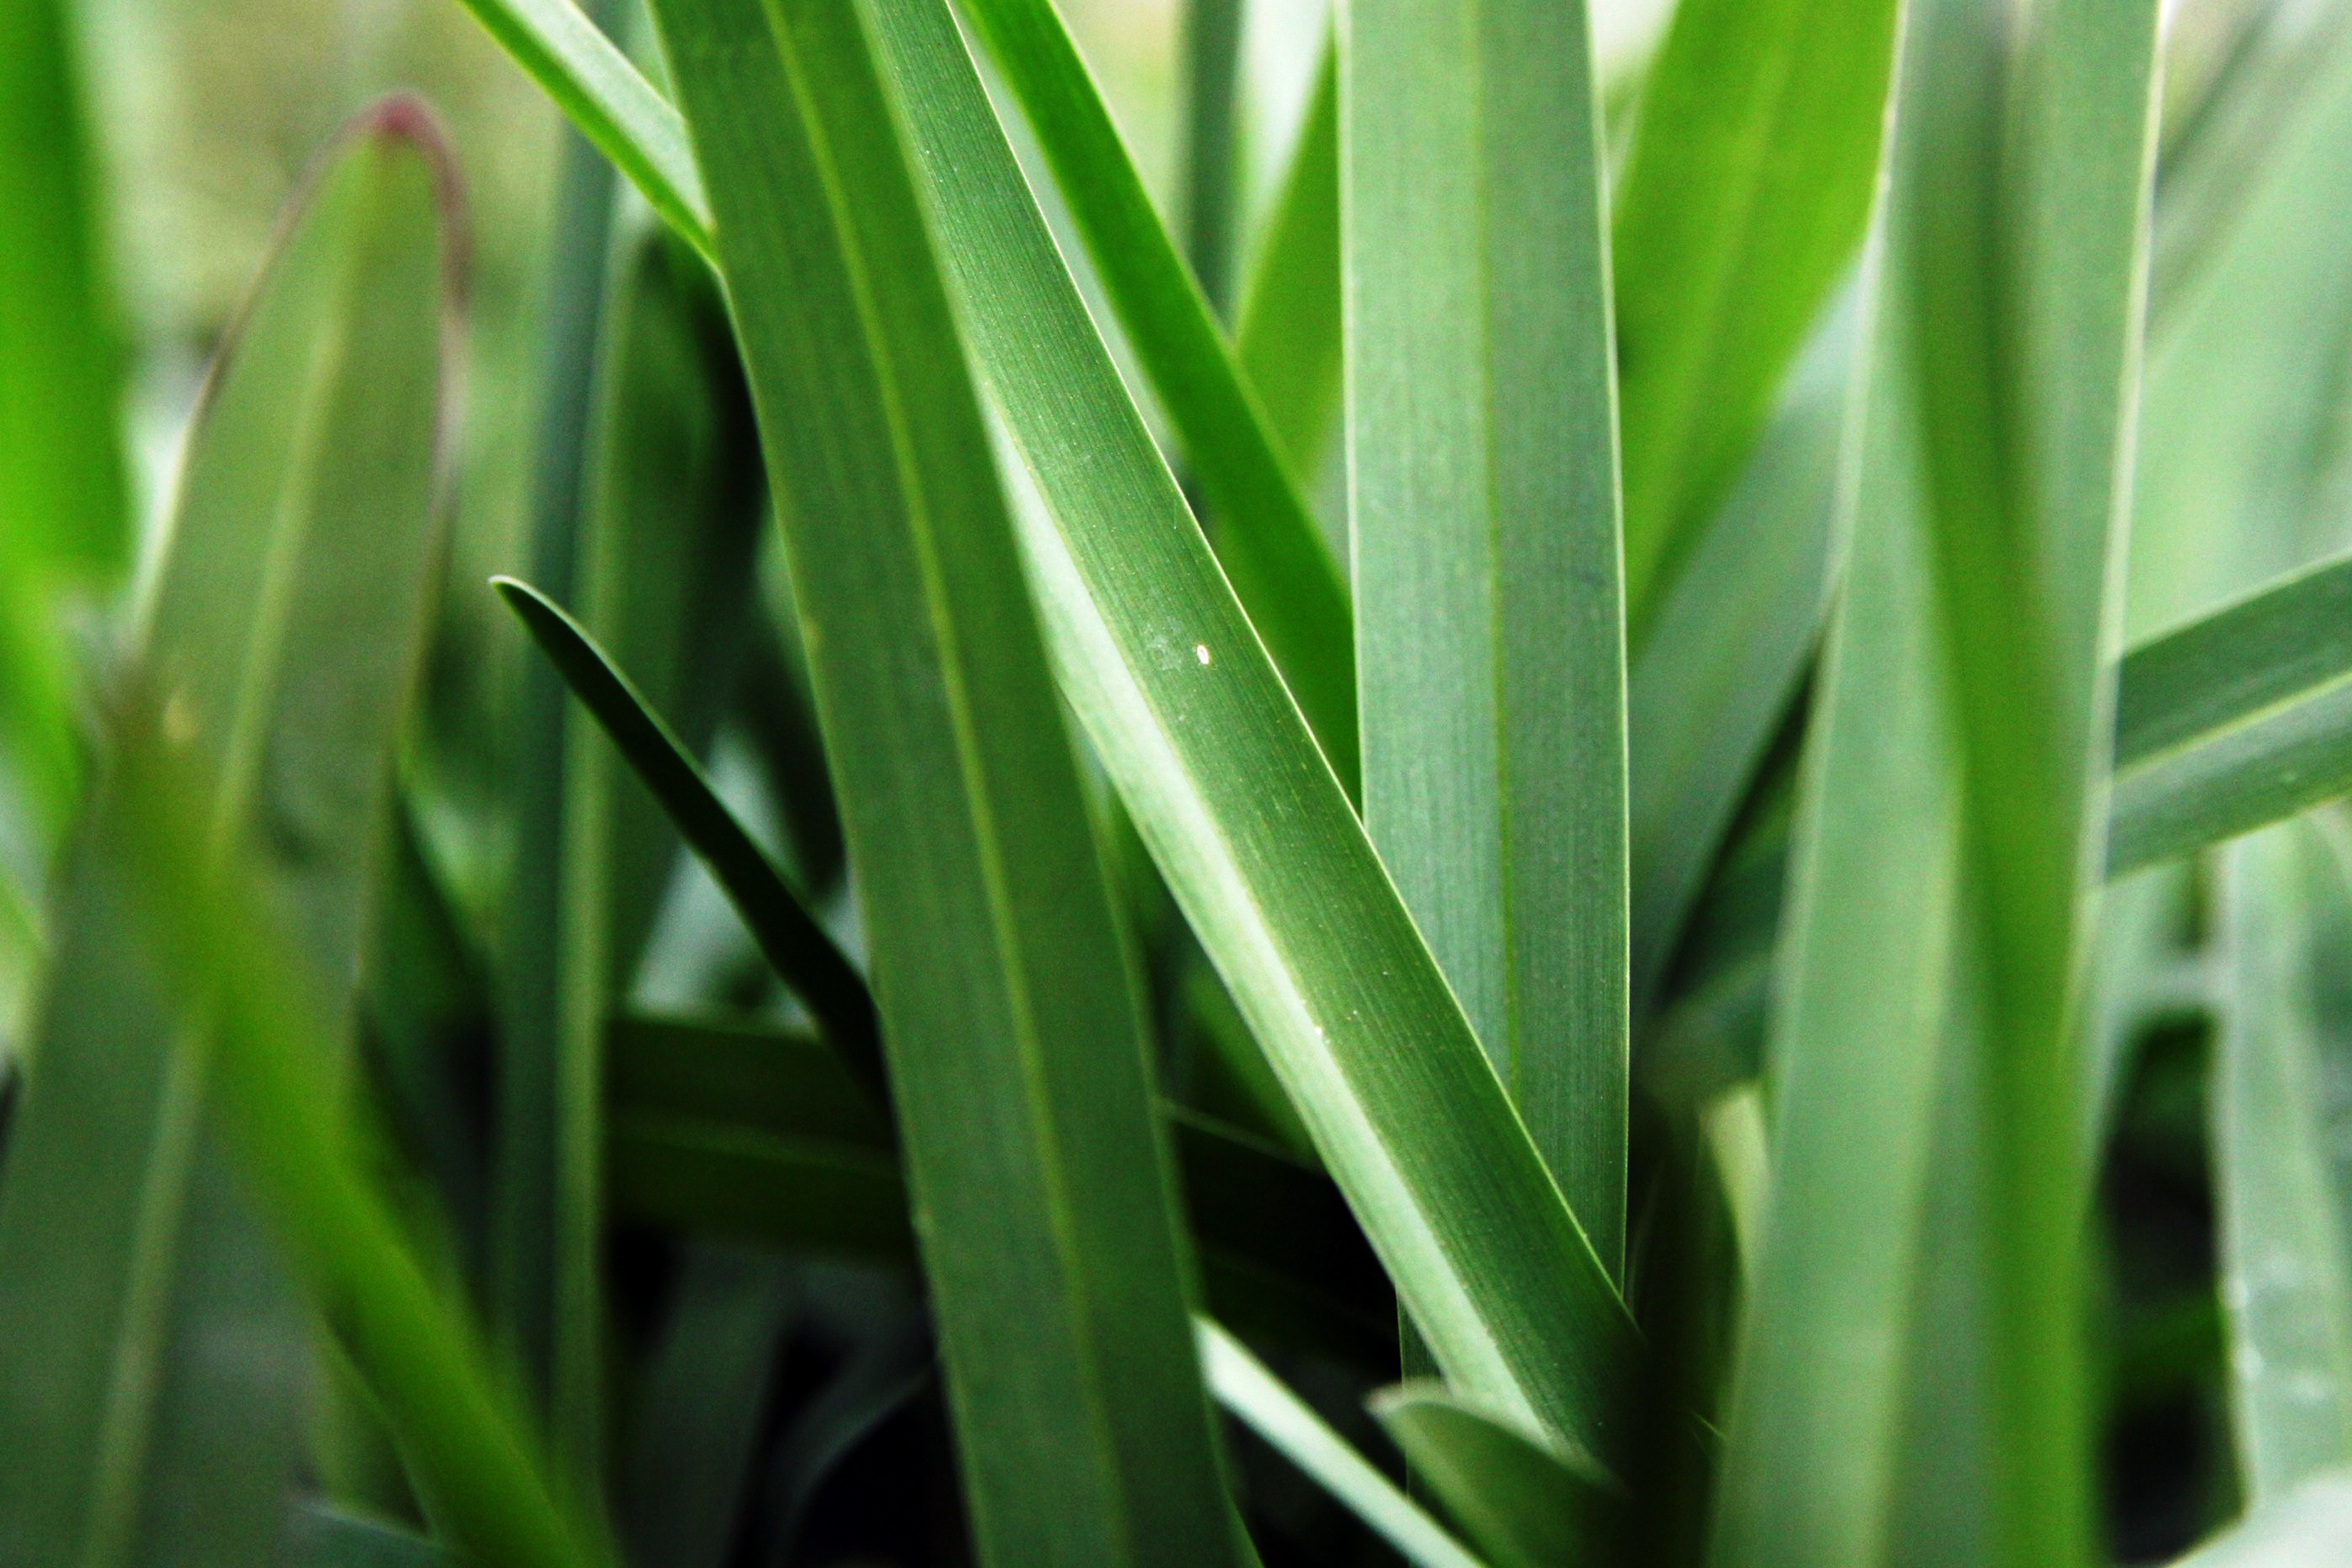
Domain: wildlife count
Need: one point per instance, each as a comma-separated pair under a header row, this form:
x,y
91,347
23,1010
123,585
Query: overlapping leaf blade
x,y
1287,333
281,640
1268,544
1978,623
1522,1502
214,928
1039,1180
1242,813
1482,498
1743,201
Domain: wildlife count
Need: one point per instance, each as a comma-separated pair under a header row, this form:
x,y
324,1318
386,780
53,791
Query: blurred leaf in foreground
x,y
281,642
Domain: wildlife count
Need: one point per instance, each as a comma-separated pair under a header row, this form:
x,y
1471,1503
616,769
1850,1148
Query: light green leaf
x,y
64,504
1039,1180
1944,879
1266,542
2281,1179
1242,815
1287,334
1482,500
1744,201
281,641
2239,466
1523,1503
62,487
1244,1387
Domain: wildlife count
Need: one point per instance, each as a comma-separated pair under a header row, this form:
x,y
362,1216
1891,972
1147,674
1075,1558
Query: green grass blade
x,y
1242,813
1743,202
804,956
2310,1529
2282,642
2233,781
703,1407
1942,888
1522,1502
1212,47
64,502
2239,718
213,924
62,486
1041,1183
544,1241
668,560
285,628
1287,334
1483,511
1266,540
2281,1182
1814,1398
1244,1387
605,99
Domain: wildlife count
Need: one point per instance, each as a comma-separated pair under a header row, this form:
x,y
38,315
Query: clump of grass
x,y
1752,973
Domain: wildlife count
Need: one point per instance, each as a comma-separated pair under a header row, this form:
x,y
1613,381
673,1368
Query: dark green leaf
x,y
1043,1198
804,954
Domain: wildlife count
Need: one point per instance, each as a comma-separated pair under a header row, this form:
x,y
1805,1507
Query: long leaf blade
x,y
804,954
1041,1185
1523,1503
607,100
1744,200
1244,1387
1483,510
1265,538
285,629
2280,1184
214,927
1287,333
2003,332
1243,815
